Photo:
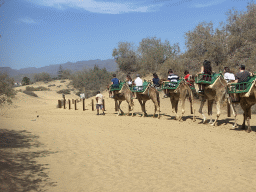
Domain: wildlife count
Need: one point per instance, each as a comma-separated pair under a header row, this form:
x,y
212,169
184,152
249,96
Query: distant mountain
x,y
109,64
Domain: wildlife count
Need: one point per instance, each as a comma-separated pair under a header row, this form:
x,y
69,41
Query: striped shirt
x,y
173,77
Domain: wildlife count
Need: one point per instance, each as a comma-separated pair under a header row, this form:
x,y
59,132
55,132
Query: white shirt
x,y
229,76
138,81
100,98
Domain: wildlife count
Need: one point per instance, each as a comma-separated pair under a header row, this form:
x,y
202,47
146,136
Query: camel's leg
x,y
243,105
157,109
249,112
120,110
243,125
144,108
182,107
191,100
141,104
233,110
210,105
218,113
129,109
176,102
158,102
201,109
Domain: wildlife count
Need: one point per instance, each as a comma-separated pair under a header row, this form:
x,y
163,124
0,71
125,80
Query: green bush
x,y
40,88
91,80
42,77
64,91
6,88
25,81
31,93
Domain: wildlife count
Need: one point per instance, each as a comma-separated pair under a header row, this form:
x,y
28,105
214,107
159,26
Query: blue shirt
x,y
156,81
115,82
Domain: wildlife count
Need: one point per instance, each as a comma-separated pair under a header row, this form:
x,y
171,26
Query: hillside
x,y
109,64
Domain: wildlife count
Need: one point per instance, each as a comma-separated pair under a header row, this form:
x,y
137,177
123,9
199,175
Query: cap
x,y
137,75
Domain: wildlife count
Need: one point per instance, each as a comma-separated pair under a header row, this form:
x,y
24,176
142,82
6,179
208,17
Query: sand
x,y
75,150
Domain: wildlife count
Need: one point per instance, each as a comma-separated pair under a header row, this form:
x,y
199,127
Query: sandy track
x,y
109,153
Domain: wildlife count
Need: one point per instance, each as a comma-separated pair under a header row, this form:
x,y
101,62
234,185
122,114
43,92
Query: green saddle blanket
x,y
117,88
206,79
140,89
242,87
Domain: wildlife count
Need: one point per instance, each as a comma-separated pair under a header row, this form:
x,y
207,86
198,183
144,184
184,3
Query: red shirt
x,y
186,77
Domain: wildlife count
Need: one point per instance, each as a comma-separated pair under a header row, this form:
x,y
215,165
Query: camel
x,y
122,95
215,92
180,94
149,93
247,100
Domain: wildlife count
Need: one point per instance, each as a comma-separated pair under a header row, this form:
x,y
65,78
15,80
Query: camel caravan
x,y
209,86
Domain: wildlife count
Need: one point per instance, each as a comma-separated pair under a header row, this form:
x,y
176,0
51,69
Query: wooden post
x,y
104,105
75,104
69,104
228,109
64,103
73,101
92,105
59,104
83,104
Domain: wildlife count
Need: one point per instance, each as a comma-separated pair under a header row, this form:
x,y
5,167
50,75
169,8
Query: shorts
x,y
99,106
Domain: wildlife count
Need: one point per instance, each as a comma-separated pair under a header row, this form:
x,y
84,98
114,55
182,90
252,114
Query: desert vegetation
x,y
31,93
6,88
40,88
90,81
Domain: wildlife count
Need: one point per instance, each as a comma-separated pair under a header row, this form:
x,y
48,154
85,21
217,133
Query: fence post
x,y
92,105
73,101
104,106
83,104
75,104
59,104
69,104
64,103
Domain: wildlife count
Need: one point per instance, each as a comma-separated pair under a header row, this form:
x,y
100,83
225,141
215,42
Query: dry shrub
x,y
6,88
40,88
64,91
31,93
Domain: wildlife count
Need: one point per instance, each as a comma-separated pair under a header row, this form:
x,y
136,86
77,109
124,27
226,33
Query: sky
x,y
37,33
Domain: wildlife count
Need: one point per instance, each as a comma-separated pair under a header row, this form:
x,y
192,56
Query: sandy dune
x,y
85,152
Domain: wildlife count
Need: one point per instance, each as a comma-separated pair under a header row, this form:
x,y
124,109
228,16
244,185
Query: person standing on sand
x,y
99,105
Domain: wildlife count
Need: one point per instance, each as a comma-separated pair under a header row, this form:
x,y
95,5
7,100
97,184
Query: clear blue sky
x,y
37,33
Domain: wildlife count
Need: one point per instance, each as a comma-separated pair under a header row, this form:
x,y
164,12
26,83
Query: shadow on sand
x,y
240,129
19,170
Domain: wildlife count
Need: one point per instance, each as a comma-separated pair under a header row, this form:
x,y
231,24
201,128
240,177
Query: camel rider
x,y
228,76
129,80
115,84
207,70
138,81
155,80
242,75
171,78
